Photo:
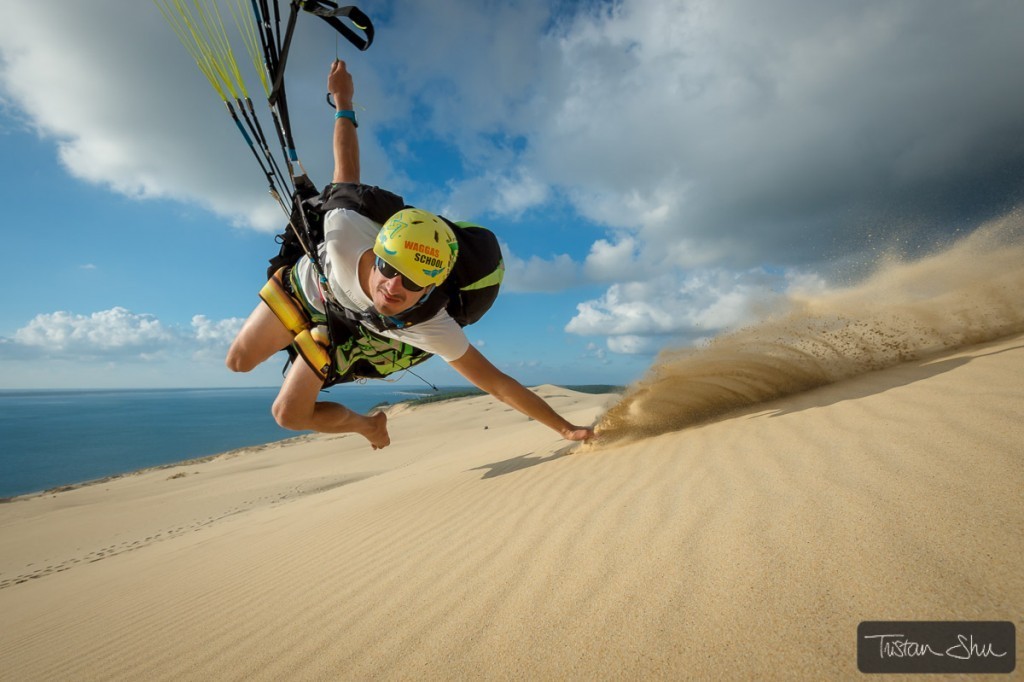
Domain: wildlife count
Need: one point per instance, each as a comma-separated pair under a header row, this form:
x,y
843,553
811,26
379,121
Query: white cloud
x,y
118,334
609,262
218,332
595,352
640,317
539,274
134,114
630,344
519,193
114,330
496,193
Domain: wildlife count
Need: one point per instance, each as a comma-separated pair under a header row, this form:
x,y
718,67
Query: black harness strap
x,y
329,12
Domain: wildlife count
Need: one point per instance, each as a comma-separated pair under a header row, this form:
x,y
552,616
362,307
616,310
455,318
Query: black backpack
x,y
309,206
467,294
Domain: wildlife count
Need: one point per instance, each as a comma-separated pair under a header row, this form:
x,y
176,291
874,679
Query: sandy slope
x,y
748,547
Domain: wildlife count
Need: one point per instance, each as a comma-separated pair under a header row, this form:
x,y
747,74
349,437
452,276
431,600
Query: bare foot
x,y
374,428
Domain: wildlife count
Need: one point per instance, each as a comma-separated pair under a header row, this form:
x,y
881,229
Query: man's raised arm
x,y
346,142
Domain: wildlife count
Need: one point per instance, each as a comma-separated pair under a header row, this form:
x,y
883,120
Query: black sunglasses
x,y
388,272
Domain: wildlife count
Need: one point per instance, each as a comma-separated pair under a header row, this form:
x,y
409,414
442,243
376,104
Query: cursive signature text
x,y
897,646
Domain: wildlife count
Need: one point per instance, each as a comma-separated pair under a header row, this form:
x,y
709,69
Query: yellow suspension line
x,y
246,25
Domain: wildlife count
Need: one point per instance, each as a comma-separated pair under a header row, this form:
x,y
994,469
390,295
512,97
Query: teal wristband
x,y
350,115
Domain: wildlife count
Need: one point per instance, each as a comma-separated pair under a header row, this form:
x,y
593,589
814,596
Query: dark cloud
x,y
795,132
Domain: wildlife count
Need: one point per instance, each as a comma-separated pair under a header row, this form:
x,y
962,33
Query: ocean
x,y
52,438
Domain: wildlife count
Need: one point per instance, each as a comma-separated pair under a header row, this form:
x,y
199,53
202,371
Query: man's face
x,y
390,295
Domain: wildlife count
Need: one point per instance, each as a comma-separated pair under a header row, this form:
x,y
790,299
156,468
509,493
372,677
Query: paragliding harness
x,y
355,347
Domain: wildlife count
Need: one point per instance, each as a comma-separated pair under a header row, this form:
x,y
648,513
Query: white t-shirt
x,y
347,236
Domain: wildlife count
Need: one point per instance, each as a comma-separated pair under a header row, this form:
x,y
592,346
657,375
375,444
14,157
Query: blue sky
x,y
657,170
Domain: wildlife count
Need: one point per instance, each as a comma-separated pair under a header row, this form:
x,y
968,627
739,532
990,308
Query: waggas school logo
x,y
426,255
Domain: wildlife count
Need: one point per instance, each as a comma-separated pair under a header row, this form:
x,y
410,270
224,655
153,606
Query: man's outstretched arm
x,y
485,376
346,142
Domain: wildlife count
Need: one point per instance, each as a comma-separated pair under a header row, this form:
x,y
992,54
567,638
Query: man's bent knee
x,y
288,417
236,361
261,337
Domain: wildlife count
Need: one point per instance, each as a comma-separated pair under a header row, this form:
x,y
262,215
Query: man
x,y
364,272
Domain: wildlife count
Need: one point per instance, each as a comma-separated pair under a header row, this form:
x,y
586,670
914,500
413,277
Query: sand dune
x,y
750,547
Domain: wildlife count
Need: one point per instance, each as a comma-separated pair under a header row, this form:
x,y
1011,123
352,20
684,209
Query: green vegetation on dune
x,y
596,388
469,392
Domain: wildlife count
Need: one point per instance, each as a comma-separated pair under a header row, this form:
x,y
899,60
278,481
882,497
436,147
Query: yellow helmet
x,y
419,245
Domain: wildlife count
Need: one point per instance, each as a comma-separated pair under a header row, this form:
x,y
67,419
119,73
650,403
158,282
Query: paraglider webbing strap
x,y
329,12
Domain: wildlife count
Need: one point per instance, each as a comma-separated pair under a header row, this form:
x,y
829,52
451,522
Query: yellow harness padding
x,y
295,320
313,353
